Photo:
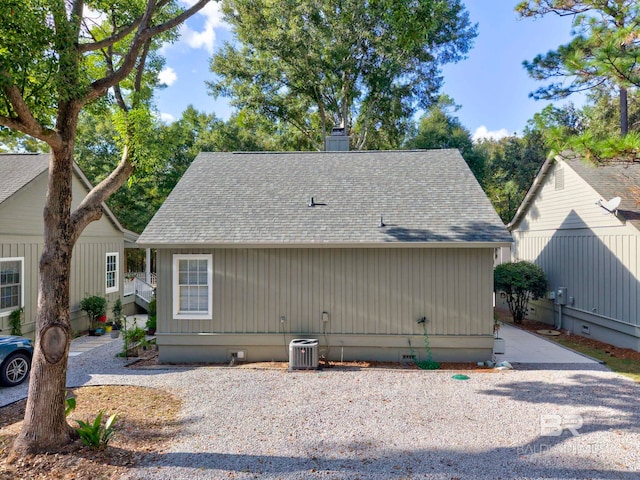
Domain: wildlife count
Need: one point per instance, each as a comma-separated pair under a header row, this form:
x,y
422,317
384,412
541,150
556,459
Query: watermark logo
x,y
552,425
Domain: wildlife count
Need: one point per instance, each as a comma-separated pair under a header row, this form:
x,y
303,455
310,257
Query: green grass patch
x,y
627,367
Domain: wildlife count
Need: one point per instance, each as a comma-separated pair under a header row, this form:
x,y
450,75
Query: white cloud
x,y
167,118
482,133
167,76
206,37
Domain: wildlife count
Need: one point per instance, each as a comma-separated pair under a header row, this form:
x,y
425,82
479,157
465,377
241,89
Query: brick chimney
x,y
337,141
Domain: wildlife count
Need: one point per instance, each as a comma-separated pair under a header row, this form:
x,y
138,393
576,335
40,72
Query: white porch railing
x,y
143,290
129,287
143,276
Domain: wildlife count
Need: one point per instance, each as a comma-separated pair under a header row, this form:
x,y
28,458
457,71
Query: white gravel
x,y
386,424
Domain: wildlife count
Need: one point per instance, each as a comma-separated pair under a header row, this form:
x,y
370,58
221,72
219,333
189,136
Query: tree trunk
x,y
624,112
45,426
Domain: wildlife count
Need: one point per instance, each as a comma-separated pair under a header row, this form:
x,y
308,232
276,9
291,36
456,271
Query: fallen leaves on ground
x,y
147,422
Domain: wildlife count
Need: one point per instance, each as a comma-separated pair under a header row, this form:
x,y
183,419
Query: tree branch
x,y
90,208
116,37
137,85
145,32
24,121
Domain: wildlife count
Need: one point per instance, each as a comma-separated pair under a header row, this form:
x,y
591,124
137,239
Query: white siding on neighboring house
x,y
594,255
21,236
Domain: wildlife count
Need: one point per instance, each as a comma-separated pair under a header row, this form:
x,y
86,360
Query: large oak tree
x,y
314,64
56,58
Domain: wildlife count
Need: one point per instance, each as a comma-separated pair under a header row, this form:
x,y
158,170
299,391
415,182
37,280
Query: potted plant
x,y
499,344
95,307
116,320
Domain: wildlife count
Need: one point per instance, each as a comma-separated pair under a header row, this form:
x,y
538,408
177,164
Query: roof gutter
x,y
461,244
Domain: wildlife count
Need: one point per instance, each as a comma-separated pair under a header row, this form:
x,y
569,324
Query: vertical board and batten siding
x,y
21,235
594,255
367,292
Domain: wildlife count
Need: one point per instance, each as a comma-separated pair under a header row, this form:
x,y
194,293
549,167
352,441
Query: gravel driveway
x,y
387,424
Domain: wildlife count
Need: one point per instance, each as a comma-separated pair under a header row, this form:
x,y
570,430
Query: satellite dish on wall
x,y
610,206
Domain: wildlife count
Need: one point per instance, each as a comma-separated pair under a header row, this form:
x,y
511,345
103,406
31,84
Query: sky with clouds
x,y
491,86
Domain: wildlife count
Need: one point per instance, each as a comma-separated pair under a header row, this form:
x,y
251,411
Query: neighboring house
x,y
561,227
97,263
350,248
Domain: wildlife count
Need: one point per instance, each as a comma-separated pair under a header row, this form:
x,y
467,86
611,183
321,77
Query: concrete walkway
x,y
525,347
86,343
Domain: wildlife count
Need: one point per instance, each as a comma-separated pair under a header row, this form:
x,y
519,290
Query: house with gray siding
x,y
593,253
349,248
97,264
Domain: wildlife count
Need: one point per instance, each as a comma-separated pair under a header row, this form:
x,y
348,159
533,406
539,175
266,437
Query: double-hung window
x,y
192,286
113,271
11,284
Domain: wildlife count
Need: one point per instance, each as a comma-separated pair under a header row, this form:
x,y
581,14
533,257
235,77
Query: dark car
x,y
15,360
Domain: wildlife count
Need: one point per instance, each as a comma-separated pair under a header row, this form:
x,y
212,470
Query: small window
x,y
11,284
559,177
112,272
192,286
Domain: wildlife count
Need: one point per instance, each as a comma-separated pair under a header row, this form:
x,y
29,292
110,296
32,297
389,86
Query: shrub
x,y
520,281
151,321
15,321
116,311
95,307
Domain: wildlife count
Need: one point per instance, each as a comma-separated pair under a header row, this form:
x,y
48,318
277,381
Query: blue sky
x,y
491,85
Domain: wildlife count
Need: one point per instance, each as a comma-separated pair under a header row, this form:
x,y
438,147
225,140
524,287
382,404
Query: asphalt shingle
x,y
17,170
263,199
613,180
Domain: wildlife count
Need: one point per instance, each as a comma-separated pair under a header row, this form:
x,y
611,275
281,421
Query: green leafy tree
x,y
605,49
591,131
56,58
511,164
439,128
314,64
520,281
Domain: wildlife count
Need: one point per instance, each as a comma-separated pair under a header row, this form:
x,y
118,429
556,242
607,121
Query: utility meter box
x,y
561,297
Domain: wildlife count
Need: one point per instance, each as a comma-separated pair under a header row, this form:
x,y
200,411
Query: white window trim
x,y
6,313
208,315
106,272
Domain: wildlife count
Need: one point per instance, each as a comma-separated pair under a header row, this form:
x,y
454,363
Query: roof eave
x,y
535,186
459,244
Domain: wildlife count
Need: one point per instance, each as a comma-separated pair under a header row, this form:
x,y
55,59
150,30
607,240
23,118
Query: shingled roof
x,y
609,180
18,170
614,180
262,199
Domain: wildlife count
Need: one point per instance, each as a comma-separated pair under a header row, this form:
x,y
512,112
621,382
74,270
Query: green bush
x,y
520,281
116,311
151,321
95,307
134,335
15,321
152,307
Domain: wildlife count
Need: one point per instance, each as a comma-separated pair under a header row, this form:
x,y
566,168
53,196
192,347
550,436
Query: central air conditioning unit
x,y
303,354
